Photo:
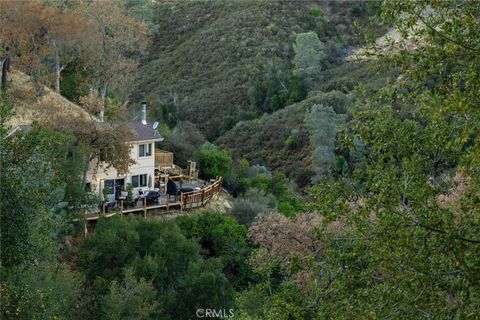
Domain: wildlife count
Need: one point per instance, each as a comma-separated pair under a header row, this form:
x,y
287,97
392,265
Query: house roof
x,y
141,132
144,132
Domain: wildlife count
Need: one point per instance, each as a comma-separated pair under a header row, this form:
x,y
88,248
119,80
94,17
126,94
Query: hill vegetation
x,y
29,107
388,228
208,58
280,140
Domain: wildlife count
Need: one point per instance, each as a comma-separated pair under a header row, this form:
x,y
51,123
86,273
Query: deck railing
x,y
163,158
188,200
200,197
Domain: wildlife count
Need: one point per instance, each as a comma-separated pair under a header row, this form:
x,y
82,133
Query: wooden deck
x,y
185,201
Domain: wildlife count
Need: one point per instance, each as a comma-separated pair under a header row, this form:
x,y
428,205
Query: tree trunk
x,y
103,93
5,69
58,67
57,78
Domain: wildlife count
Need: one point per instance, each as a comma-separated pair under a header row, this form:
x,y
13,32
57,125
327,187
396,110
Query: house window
x,y
145,150
110,186
139,181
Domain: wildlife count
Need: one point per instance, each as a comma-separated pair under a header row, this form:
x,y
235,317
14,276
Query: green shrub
x,y
254,202
322,124
316,11
183,141
213,162
294,140
44,291
223,238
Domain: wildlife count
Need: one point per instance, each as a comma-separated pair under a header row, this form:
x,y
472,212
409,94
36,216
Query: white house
x,y
141,174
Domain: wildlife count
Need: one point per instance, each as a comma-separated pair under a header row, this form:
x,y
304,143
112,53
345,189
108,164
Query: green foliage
x,y
251,204
36,202
322,123
130,299
75,82
294,140
183,140
129,192
262,140
203,286
316,12
142,10
280,140
271,191
211,62
213,162
105,192
237,182
288,203
410,218
165,113
103,255
223,238
309,54
277,89
44,291
158,251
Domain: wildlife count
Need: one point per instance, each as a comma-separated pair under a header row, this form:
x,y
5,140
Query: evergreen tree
x,y
309,54
322,123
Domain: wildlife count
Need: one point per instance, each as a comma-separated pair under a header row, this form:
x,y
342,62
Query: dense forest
x,y
347,133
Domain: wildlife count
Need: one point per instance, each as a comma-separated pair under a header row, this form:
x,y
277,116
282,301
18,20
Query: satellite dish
x,y
155,125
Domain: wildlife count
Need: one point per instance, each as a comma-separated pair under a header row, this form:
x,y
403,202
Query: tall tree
x,y
44,39
123,40
131,298
70,39
309,53
322,124
412,198
21,28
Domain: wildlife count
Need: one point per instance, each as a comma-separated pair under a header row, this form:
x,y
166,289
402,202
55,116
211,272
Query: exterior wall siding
x,y
143,165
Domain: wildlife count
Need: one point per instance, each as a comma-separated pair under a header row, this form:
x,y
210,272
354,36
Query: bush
x,y
338,100
277,90
183,140
322,124
160,252
130,299
45,291
213,162
294,140
221,237
309,54
250,205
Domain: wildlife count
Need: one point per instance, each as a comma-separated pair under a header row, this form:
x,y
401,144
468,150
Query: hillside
x,y
32,102
208,56
264,140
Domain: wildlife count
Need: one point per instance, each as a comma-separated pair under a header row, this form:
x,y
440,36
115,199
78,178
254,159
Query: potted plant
x,y
129,194
105,192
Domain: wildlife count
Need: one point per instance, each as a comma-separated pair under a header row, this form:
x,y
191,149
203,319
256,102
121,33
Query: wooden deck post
x,y
203,196
168,202
145,208
121,208
181,202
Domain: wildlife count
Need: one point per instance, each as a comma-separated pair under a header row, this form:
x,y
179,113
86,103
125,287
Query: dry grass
x,y
389,44
28,106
